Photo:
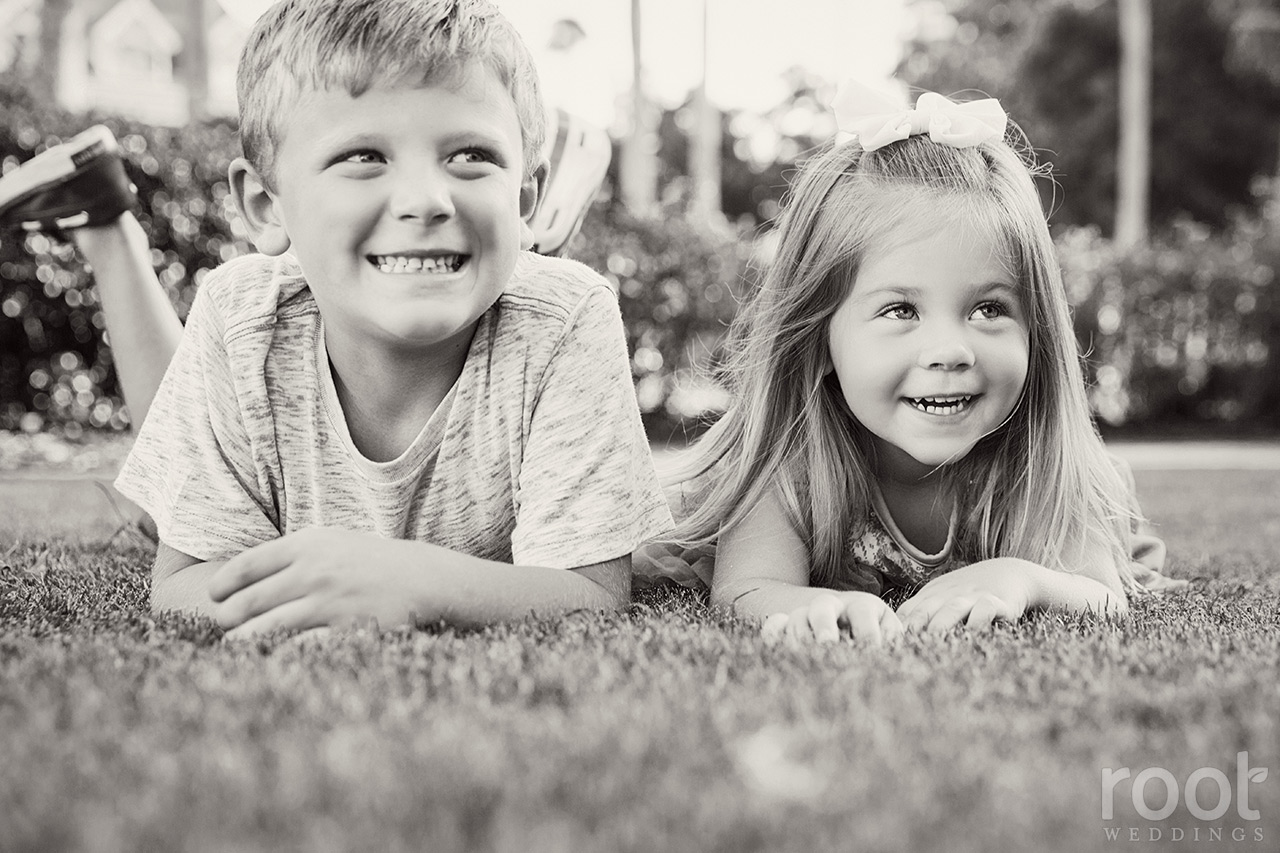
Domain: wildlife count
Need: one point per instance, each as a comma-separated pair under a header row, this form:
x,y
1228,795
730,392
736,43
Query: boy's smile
x,y
930,347
403,206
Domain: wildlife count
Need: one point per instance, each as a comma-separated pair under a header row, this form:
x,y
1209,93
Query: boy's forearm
x,y
472,592
185,590
1075,593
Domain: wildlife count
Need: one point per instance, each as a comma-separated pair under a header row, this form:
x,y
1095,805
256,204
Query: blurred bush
x,y
679,282
55,362
1184,331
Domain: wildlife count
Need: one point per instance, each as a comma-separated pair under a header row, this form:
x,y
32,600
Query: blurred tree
x,y
1054,64
1255,43
638,169
1133,187
44,82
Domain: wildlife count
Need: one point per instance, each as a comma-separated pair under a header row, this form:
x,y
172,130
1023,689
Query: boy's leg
x,y
79,189
143,327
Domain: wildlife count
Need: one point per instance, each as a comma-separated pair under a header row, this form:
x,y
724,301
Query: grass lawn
x,y
663,728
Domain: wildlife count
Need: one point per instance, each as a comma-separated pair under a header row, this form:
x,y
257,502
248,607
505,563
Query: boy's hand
x,y
976,595
320,576
861,615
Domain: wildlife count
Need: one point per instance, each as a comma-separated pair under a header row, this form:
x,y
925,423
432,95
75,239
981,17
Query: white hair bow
x,y
877,119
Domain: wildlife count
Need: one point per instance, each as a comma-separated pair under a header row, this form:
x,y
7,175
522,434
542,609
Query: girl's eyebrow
x,y
880,291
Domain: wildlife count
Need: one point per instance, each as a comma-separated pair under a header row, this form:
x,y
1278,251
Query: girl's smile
x,y
942,405
930,346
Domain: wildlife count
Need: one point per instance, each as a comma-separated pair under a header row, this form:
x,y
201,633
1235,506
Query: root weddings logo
x,y
1194,807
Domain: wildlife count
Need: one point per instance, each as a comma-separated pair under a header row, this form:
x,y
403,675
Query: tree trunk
x,y
1133,171
45,77
704,141
194,62
639,172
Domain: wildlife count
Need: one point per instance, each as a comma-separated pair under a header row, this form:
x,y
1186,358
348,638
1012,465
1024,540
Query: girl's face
x,y
931,347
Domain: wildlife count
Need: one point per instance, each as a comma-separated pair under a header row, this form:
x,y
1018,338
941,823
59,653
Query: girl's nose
x,y
946,351
424,198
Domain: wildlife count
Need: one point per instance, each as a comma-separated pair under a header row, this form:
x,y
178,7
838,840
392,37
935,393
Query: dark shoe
x,y
579,153
77,183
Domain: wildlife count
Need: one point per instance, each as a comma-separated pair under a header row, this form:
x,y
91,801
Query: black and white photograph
x,y
527,426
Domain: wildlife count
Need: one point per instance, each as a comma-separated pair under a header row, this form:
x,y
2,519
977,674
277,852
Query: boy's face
x,y
403,207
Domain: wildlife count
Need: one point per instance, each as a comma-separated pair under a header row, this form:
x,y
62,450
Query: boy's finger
x,y
291,616
250,566
257,598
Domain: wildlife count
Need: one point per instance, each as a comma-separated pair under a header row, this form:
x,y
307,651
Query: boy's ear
x,y
258,208
530,192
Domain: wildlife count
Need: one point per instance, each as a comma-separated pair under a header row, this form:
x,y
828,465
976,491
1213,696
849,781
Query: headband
x,y
877,119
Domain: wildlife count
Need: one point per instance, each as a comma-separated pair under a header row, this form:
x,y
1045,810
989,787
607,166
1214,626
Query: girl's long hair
x,y
1040,487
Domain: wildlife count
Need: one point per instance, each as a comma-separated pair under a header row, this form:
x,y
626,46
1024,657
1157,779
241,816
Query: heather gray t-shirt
x,y
536,456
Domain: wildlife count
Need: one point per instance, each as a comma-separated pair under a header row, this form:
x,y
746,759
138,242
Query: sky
x,y
750,43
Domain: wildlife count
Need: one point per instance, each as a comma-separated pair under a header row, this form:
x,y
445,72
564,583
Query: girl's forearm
x,y
763,597
1074,593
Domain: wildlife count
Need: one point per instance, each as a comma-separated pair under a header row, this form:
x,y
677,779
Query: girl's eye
x,y
992,310
901,311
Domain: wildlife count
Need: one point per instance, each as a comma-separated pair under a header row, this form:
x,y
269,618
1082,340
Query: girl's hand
x,y
976,595
861,615
320,576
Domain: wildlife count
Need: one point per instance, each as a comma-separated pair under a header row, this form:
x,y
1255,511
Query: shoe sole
x,y
581,154
95,151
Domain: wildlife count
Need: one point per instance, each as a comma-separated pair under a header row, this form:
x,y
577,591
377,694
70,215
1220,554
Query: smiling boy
x,y
393,412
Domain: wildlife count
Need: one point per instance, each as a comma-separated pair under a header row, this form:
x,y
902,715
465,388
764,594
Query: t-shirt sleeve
x,y
588,491
192,467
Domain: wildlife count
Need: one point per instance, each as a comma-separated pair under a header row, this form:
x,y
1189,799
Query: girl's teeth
x,y
397,264
941,407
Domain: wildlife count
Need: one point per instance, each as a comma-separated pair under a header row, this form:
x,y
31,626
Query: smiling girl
x,y
910,418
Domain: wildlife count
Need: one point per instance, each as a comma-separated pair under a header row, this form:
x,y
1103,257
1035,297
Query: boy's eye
x,y
363,157
473,157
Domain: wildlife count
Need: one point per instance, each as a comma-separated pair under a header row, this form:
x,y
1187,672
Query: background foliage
x,y
1182,334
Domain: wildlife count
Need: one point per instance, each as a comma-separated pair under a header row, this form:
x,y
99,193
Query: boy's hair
x,y
1040,487
299,46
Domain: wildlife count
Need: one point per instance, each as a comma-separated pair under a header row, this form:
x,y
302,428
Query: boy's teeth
x,y
403,264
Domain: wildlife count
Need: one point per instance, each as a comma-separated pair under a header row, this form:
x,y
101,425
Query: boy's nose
x,y
424,198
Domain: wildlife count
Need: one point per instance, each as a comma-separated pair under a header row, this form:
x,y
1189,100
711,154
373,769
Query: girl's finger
x,y
950,614
985,612
773,626
824,615
917,616
798,629
864,625
890,626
